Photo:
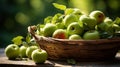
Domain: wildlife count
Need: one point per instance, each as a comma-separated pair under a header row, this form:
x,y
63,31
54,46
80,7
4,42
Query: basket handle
x,y
31,30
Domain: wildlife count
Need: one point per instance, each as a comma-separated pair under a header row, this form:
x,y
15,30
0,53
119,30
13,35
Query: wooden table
x,y
4,62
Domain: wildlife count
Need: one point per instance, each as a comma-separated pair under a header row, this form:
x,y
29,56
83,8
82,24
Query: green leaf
x,y
42,25
116,27
48,19
69,11
17,40
56,18
59,6
117,21
28,38
39,30
104,35
38,27
71,61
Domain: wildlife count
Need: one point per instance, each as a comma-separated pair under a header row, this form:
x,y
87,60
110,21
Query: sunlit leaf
x,y
56,18
69,11
59,6
48,19
28,38
17,40
117,21
42,25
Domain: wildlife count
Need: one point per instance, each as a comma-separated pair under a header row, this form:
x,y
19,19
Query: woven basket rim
x,y
108,39
97,41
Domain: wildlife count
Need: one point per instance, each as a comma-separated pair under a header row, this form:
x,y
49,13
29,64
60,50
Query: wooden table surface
x,y
4,62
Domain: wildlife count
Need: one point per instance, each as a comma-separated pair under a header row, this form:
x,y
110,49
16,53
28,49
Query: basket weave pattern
x,y
61,49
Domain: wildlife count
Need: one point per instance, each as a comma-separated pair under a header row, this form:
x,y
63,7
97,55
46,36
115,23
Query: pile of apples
x,y
74,24
25,50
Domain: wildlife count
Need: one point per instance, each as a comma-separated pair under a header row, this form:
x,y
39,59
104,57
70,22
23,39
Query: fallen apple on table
x,y
29,51
12,51
39,56
23,51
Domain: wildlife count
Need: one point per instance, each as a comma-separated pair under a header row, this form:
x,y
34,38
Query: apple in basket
x,y
88,22
98,15
75,37
74,28
60,34
69,19
91,35
49,29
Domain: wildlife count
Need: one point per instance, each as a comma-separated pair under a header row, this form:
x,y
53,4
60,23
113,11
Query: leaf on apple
x,y
59,6
17,40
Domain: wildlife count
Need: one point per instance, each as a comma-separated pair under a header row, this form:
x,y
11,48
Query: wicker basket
x,y
81,50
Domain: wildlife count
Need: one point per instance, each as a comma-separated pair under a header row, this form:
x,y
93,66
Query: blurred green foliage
x,y
17,15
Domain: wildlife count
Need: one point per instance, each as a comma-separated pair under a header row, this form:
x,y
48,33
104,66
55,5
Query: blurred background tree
x,y
17,15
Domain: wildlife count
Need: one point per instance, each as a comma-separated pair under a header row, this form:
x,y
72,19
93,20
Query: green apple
x,y
39,32
98,15
103,26
75,37
23,51
49,29
88,23
39,56
106,25
74,28
108,20
60,25
68,11
91,35
12,51
69,19
29,51
60,34
77,11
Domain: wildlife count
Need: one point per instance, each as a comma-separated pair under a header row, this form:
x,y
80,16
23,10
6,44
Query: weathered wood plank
x,y
4,62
